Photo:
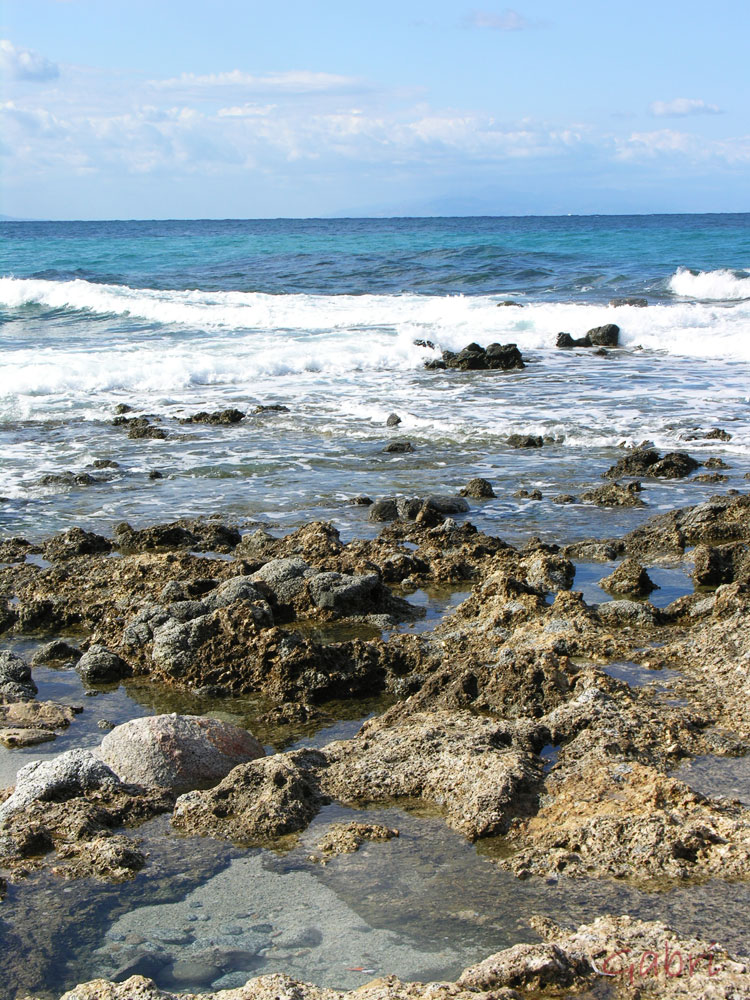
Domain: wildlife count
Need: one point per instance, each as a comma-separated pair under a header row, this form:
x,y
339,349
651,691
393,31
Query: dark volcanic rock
x,y
599,336
218,417
383,510
675,465
496,357
393,420
481,489
68,479
201,535
525,441
638,462
100,666
604,336
137,431
398,447
528,494
272,408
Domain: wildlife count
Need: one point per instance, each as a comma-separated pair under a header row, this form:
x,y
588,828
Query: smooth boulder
x,y
178,752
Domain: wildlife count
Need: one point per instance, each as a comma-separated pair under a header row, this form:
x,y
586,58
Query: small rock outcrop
x,y
16,683
473,358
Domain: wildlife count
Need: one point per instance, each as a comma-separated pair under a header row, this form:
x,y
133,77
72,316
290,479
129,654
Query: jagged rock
x,y
284,578
67,479
604,336
496,357
100,665
346,595
528,494
64,777
383,510
138,431
75,542
393,420
479,488
399,447
15,678
178,752
675,465
718,564
629,578
615,495
271,408
525,441
638,462
218,417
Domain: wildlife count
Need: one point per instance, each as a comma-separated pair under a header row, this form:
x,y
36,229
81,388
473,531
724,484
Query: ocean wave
x,y
200,337
720,285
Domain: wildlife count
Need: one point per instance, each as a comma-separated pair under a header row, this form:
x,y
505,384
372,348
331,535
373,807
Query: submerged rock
x,y
177,752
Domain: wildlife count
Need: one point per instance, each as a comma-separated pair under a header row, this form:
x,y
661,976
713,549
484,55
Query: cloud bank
x,y
24,64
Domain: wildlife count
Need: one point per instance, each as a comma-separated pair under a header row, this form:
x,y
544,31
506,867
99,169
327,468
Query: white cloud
x,y
506,20
691,148
680,107
293,82
24,64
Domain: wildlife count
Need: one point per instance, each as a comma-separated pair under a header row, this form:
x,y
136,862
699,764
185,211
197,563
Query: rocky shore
x,y
522,717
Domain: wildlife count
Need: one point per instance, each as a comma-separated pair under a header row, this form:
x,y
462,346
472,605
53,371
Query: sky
x,y
117,109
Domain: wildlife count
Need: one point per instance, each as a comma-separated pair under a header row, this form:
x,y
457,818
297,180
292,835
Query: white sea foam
x,y
722,285
234,338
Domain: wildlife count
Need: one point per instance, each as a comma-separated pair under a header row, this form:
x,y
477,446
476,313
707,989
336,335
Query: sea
x,y
324,317
328,323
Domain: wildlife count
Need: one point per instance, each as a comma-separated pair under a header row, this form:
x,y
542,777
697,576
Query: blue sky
x,y
236,108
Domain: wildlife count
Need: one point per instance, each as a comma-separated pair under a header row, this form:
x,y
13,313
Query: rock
x,y
360,501
285,578
217,418
383,510
615,495
510,302
101,666
14,739
155,474
604,336
64,777
236,588
271,408
525,441
105,463
267,798
123,408
528,494
481,489
715,434
178,752
424,343
675,465
630,300
565,498
435,365
496,357
710,477
629,578
398,447
67,479
45,716
199,534
75,542
638,462
599,336
16,549
138,431
15,679
619,614
345,595
346,838
528,967
718,564
393,420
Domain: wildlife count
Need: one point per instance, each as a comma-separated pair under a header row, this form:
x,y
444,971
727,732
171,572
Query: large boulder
x,y
15,679
178,752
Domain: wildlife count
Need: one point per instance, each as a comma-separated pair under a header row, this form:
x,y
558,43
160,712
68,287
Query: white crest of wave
x,y
722,284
